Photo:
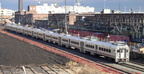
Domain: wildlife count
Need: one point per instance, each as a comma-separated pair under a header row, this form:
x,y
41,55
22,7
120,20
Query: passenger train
x,y
118,50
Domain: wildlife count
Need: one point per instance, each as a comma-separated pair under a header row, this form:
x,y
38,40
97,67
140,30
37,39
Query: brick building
x,y
29,17
41,24
120,23
58,20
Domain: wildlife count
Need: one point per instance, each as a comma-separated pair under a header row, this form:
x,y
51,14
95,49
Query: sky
x,y
123,5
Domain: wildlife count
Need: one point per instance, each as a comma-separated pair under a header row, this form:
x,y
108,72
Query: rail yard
x,y
71,39
31,59
18,57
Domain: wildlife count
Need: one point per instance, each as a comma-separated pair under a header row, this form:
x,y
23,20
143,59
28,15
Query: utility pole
x,y
65,20
0,12
104,4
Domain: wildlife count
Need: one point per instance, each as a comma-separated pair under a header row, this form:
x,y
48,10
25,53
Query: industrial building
x,y
41,12
6,14
55,8
114,22
130,24
26,17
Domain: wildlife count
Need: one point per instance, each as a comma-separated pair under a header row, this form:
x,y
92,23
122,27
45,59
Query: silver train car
x,y
119,51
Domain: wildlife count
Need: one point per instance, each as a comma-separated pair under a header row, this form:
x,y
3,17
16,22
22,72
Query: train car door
x,y
96,48
82,46
121,53
59,42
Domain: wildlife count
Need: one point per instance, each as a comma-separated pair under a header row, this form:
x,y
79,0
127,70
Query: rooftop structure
x,y
106,11
6,12
54,8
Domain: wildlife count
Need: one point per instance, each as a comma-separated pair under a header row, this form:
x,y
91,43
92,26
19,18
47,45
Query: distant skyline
x,y
123,5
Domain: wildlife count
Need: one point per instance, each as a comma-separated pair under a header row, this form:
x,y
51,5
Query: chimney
x,y
20,5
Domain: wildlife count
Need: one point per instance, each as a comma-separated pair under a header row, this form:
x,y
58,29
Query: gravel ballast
x,y
16,52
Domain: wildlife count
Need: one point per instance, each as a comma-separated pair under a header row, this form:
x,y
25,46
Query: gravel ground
x,y
15,52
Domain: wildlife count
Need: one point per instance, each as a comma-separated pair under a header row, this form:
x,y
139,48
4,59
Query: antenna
x,y
125,9
77,3
104,4
140,8
119,6
0,4
38,2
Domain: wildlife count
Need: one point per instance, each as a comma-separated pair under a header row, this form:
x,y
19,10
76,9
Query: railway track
x,y
30,69
132,66
137,63
115,68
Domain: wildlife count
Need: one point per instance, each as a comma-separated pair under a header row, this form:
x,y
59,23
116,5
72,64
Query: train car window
x,y
102,49
121,51
89,46
64,40
109,51
54,37
40,34
99,48
118,51
47,36
106,50
73,42
96,46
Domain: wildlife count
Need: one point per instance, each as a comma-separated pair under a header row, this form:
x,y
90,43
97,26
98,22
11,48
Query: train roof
x,y
108,44
53,34
73,37
39,30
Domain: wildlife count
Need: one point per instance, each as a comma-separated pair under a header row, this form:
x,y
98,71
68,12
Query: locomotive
x,y
117,50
